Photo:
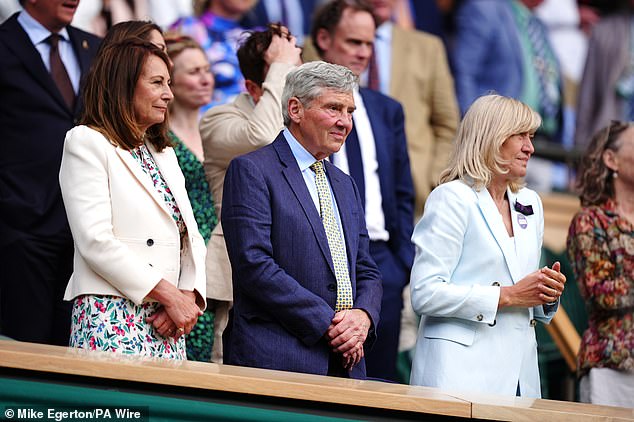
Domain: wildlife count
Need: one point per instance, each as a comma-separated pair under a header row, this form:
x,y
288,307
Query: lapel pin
x,y
521,220
84,45
524,209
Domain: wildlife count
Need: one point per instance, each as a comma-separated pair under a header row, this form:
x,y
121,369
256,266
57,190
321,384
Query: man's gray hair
x,y
307,81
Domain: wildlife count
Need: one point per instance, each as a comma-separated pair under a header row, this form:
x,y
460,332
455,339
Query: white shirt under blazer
x,y
125,238
463,255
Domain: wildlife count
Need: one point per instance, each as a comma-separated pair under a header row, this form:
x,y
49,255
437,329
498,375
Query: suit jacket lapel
x,y
294,177
523,236
141,176
81,47
496,226
24,49
383,156
173,176
399,57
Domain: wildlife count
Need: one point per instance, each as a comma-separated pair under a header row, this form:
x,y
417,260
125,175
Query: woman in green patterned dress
x,y
192,86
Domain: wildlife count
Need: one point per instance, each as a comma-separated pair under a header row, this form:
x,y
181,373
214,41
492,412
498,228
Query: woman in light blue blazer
x,y
475,280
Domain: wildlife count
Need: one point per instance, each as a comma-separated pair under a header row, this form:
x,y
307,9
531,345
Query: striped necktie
x,y
335,241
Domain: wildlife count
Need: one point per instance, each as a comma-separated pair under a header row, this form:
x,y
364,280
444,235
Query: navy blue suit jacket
x,y
34,120
397,189
283,277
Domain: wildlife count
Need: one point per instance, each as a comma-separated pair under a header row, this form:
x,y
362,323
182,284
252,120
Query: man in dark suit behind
x,y
36,247
375,155
306,291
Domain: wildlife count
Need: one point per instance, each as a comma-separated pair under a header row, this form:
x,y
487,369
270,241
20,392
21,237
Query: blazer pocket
x,y
452,329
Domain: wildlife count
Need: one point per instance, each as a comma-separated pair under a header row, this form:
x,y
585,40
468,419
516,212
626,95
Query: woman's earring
x,y
615,174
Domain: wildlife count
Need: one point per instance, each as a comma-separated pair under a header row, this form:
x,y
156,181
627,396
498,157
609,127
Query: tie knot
x,y
53,40
317,167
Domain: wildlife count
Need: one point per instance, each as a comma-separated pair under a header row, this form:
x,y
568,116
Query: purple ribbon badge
x,y
524,209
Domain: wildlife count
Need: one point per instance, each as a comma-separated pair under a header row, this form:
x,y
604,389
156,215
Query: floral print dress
x,y
116,324
601,249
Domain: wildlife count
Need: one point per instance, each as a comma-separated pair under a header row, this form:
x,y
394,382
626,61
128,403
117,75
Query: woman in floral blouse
x,y
138,283
601,249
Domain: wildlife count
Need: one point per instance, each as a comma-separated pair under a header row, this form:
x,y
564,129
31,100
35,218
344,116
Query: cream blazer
x,y
125,238
463,255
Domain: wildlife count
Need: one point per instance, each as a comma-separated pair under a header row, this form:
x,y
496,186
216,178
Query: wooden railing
x,y
310,392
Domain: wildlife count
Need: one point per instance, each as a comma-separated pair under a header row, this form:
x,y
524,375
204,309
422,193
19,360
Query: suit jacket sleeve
x,y
247,220
472,42
444,112
439,249
85,189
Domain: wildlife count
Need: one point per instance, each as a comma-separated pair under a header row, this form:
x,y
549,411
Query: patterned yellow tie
x,y
335,242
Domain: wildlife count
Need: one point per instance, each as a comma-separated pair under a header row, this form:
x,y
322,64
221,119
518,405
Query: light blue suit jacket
x,y
463,253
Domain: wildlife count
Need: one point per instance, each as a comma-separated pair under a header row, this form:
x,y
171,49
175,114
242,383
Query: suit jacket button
x,y
479,317
149,242
332,287
496,284
533,322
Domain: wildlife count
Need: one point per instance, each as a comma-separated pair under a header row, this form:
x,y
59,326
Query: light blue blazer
x,y
463,255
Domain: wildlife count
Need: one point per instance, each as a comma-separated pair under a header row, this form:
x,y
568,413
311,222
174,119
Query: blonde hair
x,y
488,122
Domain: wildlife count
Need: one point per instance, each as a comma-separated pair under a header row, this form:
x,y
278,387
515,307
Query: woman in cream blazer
x,y
475,280
138,283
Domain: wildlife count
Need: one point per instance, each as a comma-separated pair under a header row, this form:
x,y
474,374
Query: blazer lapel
x,y
83,52
524,234
171,172
24,49
496,226
141,176
295,180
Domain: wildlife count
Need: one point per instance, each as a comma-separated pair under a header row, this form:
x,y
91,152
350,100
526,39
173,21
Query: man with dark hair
x,y
252,120
42,60
375,155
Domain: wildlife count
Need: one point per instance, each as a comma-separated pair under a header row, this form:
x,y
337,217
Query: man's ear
x,y
610,160
254,90
295,110
323,39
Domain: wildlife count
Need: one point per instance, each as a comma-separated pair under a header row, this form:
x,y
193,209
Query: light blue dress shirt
x,y
304,160
39,34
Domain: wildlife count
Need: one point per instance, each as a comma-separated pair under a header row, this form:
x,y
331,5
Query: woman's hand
x,y
180,307
163,324
538,288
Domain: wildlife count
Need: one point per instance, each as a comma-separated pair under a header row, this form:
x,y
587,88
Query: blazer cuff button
x,y
479,317
533,322
149,242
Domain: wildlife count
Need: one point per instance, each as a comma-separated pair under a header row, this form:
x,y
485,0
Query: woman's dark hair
x,y
594,180
109,94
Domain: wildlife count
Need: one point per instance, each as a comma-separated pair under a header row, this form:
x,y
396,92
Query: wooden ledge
x,y
289,385
210,376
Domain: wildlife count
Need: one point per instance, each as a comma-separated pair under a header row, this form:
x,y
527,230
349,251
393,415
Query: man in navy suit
x,y
375,155
36,247
306,291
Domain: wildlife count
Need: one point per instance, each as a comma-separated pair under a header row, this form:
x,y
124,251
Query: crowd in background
x,y
421,64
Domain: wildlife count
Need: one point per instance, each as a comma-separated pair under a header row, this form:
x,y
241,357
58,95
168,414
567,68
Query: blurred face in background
x,y
192,81
352,41
231,9
383,9
52,14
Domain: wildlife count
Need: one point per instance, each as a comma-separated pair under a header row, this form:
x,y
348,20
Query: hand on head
x,y
283,49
